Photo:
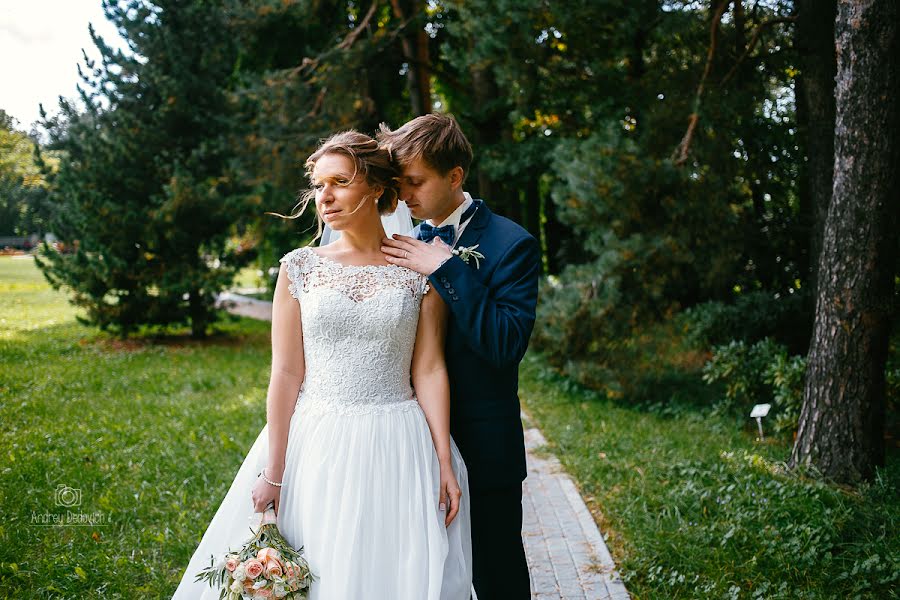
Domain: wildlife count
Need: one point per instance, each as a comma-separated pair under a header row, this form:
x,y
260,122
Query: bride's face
x,y
342,200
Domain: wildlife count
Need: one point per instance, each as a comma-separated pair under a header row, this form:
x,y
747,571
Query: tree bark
x,y
489,129
680,155
199,314
815,46
841,429
562,247
531,206
414,43
636,95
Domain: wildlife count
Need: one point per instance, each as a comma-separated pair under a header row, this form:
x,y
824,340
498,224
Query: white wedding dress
x,y
361,482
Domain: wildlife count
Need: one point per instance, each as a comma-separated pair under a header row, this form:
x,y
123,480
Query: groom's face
x,y
426,192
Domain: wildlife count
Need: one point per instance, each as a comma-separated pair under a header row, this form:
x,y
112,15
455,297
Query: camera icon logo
x,y
67,496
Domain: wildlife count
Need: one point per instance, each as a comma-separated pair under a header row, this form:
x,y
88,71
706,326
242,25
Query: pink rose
x,y
231,563
267,554
254,568
274,569
263,593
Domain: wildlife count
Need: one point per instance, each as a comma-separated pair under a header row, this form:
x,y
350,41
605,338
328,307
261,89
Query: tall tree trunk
x,y
634,77
740,28
716,10
489,128
558,238
531,206
842,420
415,51
815,111
199,314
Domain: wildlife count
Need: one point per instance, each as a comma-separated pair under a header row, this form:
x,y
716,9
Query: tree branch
x,y
351,37
317,105
681,152
307,65
753,42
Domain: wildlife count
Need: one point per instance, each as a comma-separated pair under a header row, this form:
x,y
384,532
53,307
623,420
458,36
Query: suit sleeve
x,y
497,320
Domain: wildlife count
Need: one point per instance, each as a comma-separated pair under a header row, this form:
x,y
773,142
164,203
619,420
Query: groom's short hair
x,y
436,138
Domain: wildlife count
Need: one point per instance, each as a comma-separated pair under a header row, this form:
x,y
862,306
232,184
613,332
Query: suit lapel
x,y
472,233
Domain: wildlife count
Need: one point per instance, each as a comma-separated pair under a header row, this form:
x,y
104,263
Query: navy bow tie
x,y
447,233
428,232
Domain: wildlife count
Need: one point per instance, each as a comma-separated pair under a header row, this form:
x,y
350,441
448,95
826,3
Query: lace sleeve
x,y
292,259
425,286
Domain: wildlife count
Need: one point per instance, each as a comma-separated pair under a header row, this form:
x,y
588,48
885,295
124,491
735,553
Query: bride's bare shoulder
x,y
322,251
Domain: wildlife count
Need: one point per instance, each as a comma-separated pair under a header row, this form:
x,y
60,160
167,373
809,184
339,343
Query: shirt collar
x,y
455,216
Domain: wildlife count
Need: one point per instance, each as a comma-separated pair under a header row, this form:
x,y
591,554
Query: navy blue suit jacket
x,y
492,312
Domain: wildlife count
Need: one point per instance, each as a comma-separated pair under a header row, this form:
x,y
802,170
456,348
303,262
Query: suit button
x,y
452,291
447,285
443,279
455,297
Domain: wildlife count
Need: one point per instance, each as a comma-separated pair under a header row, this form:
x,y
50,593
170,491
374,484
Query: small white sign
x,y
760,410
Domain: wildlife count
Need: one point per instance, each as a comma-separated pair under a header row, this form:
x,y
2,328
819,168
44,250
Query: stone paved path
x,y
567,557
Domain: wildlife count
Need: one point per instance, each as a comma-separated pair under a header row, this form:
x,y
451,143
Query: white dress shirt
x,y
455,216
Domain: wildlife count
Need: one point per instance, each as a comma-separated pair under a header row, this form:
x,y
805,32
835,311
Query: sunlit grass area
x,y
145,437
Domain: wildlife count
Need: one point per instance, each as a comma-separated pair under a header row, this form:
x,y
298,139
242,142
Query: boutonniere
x,y
466,253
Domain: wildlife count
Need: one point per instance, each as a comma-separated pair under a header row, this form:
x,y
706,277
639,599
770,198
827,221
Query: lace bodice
x,y
359,327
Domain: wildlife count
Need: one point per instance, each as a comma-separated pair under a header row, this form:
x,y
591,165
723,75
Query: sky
x,y
40,48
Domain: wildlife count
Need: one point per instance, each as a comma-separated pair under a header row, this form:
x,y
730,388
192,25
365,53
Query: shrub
x,y
750,318
759,373
786,375
579,315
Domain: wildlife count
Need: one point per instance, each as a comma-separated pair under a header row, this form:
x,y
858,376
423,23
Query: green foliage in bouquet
x,y
266,562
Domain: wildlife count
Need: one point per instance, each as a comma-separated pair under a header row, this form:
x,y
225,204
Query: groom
x,y
491,299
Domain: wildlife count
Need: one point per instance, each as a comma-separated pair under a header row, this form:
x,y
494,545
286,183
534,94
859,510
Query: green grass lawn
x,y
694,507
152,431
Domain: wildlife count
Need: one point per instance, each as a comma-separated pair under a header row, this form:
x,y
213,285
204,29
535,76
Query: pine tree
x,y
146,195
841,430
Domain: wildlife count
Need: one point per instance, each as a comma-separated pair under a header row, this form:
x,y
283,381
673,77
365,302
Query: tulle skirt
x,y
361,495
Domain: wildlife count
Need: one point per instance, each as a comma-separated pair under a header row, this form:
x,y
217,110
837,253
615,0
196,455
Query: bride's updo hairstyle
x,y
370,161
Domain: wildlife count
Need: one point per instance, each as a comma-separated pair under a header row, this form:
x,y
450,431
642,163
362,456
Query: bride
x,y
356,454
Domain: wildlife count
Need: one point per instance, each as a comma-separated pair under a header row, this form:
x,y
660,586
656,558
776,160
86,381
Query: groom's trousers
x,y
500,571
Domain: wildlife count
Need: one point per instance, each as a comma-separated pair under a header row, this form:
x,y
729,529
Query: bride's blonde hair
x,y
370,160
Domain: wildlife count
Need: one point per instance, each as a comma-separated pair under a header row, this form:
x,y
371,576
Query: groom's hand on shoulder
x,y
415,254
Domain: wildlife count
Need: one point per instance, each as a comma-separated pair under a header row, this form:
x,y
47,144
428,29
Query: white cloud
x,y
40,48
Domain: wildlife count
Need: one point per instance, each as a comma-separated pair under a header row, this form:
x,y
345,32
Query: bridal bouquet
x,y
266,567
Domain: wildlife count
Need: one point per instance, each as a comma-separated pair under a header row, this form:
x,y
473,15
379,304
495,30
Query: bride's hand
x,y
263,493
450,494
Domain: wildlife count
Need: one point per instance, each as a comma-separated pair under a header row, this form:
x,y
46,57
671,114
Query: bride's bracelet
x,y
267,480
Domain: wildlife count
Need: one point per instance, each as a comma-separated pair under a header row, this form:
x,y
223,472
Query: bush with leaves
x,y
638,220
750,318
579,314
786,375
756,374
